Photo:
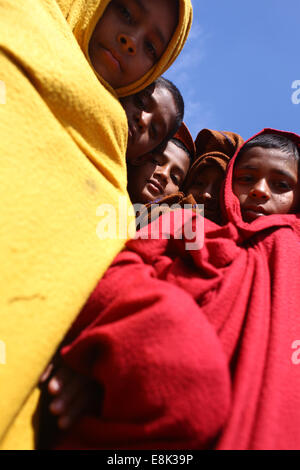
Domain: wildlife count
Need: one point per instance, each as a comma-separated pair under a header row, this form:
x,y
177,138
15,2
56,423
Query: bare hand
x,y
73,394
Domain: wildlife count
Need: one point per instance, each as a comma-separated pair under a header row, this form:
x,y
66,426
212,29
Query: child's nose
x,y
143,121
163,173
260,191
202,197
128,44
205,193
206,196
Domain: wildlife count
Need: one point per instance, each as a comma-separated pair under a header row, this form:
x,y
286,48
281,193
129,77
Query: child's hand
x,y
73,394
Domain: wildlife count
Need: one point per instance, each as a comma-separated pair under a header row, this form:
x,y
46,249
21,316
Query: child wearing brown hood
x,y
214,149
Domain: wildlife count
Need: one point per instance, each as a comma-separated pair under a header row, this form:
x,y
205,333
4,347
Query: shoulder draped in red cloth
x,y
196,349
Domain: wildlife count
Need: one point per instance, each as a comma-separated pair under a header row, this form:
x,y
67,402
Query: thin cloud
x,y
198,115
190,58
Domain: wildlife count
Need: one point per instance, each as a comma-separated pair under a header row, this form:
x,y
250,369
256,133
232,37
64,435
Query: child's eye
x,y
153,132
157,159
139,102
125,13
150,48
175,180
282,185
244,178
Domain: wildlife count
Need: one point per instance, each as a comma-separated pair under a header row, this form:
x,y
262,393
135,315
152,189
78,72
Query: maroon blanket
x,y
196,349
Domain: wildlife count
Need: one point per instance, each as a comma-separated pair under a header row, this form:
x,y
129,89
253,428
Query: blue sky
x,y
238,66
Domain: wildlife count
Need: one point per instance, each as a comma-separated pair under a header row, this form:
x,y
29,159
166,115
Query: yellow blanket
x,y
63,137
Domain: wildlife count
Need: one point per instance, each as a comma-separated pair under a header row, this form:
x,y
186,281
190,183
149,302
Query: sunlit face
x,y
205,188
266,181
161,174
151,116
130,38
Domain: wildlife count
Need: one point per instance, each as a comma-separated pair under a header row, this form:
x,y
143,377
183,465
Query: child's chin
x,y
249,216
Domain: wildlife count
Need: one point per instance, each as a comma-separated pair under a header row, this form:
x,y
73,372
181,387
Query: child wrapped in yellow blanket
x,y
63,137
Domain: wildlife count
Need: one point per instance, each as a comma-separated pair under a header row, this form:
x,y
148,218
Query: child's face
x,y
130,38
160,175
205,188
266,181
151,115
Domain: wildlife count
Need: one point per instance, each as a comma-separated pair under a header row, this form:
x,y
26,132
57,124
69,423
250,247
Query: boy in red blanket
x,y
266,177
194,349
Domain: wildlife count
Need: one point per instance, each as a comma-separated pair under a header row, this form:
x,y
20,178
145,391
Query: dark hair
x,y
273,141
162,82
181,146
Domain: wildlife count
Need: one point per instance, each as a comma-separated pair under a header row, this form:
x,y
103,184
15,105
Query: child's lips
x,y
131,133
155,186
111,58
251,213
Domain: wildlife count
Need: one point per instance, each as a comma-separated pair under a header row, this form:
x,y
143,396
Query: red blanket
x,y
196,349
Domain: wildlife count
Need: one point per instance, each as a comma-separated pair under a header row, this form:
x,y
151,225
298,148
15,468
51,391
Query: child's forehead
x,y
172,155
265,157
154,10
159,98
167,152
209,172
175,153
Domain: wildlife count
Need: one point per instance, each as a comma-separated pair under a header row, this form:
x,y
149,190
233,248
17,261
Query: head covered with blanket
x,y
264,176
214,149
83,15
64,134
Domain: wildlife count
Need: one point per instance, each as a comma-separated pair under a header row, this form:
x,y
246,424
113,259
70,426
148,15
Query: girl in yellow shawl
x,y
63,136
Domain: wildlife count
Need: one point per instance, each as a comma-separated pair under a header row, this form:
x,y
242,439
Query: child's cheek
x,y
239,193
235,188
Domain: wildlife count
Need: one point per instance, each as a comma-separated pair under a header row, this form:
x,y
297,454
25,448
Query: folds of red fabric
x,y
164,372
162,358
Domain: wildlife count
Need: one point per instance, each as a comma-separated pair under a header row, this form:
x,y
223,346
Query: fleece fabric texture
x,y
63,137
183,134
157,358
147,334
